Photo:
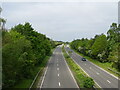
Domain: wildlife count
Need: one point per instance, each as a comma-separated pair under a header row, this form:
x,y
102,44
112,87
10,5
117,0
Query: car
x,y
83,59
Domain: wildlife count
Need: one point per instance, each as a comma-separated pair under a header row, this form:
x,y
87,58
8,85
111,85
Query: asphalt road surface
x,y
57,74
102,78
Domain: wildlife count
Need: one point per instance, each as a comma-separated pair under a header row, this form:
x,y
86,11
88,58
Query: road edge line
x,y
45,73
70,71
101,68
105,71
82,69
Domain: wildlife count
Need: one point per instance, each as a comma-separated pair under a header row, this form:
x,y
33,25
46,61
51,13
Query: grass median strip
x,y
82,79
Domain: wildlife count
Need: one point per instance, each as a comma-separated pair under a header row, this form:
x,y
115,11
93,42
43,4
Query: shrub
x,y
88,82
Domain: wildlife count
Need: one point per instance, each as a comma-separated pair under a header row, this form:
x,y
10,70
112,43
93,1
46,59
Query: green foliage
x,y
114,44
80,76
88,82
11,53
101,47
22,50
41,45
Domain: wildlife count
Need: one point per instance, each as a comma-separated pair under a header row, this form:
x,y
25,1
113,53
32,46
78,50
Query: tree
x,y
12,50
22,50
113,36
41,45
2,21
99,46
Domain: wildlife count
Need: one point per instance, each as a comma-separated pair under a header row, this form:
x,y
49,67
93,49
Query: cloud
x,y
60,0
63,21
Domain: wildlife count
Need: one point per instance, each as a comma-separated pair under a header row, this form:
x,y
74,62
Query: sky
x,y
62,21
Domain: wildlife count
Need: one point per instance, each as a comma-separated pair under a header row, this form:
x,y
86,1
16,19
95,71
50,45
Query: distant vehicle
x,y
83,59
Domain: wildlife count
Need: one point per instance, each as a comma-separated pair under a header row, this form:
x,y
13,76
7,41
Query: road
x,y
57,74
102,78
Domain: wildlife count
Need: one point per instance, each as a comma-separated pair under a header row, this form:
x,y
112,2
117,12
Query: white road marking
x,y
85,64
45,73
57,64
59,84
90,68
101,68
58,75
97,73
104,70
70,70
82,69
57,68
108,81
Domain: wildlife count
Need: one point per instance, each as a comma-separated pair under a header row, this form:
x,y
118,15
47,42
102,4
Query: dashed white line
x,y
58,75
57,68
90,68
82,69
59,84
103,70
97,73
108,81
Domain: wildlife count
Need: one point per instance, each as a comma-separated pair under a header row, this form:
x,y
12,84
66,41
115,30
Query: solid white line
x,y
45,72
44,77
102,69
108,81
58,75
59,84
70,71
83,70
57,68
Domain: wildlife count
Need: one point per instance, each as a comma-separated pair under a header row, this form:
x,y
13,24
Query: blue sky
x,y
64,21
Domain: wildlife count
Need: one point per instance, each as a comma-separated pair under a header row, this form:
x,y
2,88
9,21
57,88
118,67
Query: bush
x,y
88,82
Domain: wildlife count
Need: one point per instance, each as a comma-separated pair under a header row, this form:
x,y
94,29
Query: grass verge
x,y
82,79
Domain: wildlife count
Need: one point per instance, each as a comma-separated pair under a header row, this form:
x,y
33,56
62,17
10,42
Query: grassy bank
x,y
82,79
105,66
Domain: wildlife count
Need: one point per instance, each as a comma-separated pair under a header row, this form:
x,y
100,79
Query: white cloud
x,y
60,0
63,21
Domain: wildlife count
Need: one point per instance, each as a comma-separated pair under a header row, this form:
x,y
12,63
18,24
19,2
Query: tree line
x,y
104,48
23,49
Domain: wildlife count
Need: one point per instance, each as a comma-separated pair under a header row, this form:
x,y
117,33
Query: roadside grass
x,y
26,83
105,66
79,75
